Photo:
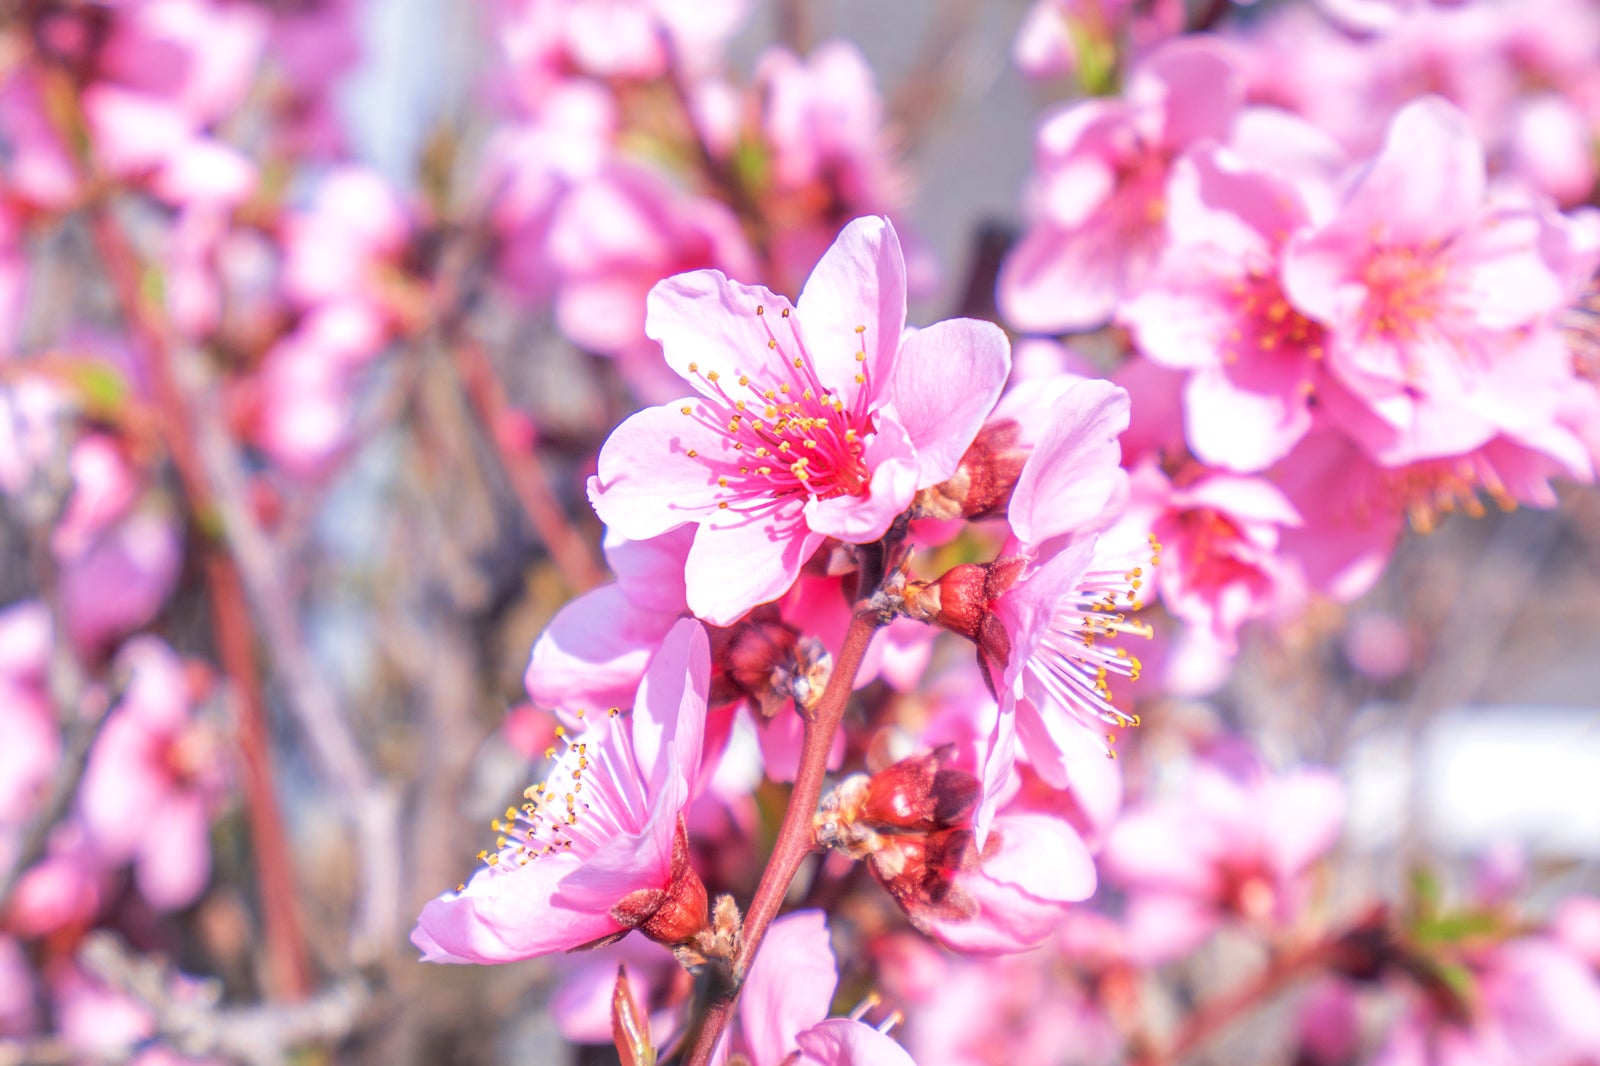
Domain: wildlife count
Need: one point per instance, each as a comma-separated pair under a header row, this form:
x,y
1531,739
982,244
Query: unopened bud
x,y
672,915
920,793
984,480
768,662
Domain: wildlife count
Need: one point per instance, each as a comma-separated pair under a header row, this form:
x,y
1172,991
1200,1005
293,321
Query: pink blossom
x,y
1101,192
300,408
543,40
783,1010
40,170
1018,1008
1435,305
341,247
1214,307
1220,535
27,718
813,420
581,1004
595,650
530,165
614,236
1230,844
18,1012
1534,1004
154,781
599,847
1060,597
823,121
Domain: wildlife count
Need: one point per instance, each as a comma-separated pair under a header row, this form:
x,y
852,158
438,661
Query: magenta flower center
x,y
1271,322
788,434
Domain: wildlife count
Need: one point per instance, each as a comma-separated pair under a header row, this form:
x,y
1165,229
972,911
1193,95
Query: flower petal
x,y
946,380
508,915
860,281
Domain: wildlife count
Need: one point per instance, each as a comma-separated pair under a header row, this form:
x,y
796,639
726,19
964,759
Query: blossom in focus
x,y
813,420
783,1009
999,891
599,847
1236,842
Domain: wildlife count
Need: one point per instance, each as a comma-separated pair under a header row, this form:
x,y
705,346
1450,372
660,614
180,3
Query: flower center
x,y
1405,289
592,794
1270,322
789,435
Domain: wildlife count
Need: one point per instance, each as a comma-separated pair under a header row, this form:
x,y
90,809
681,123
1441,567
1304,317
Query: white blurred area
x,y
1479,778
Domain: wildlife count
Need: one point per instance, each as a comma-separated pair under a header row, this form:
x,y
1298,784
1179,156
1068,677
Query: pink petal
x,y
647,482
594,651
669,715
1163,926
175,862
1151,848
705,319
946,380
789,987
737,563
842,1042
1074,469
1042,855
1055,281
860,281
1301,815
508,915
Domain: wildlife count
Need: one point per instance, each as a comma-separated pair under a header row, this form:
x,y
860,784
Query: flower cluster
x,y
1047,678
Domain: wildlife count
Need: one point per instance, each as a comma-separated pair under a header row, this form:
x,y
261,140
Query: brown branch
x,y
288,961
569,548
1218,1014
795,840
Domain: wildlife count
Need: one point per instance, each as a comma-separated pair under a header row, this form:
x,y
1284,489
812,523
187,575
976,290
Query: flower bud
x,y
982,484
768,662
671,915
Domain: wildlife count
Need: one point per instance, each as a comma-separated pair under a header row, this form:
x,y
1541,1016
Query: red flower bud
x,y
984,480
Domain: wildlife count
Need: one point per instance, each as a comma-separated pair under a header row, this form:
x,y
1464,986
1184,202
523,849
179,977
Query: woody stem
x,y
795,840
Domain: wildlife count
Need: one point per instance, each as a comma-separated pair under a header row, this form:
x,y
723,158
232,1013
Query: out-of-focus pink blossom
x,y
582,864
1220,534
815,420
1101,193
613,238
545,40
823,122
1436,306
1532,1003
1215,307
339,248
27,719
974,1012
1232,844
153,781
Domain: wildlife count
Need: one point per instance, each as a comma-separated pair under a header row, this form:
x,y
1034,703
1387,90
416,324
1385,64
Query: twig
x,y
935,76
288,961
795,840
1218,1014
567,546
190,1020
